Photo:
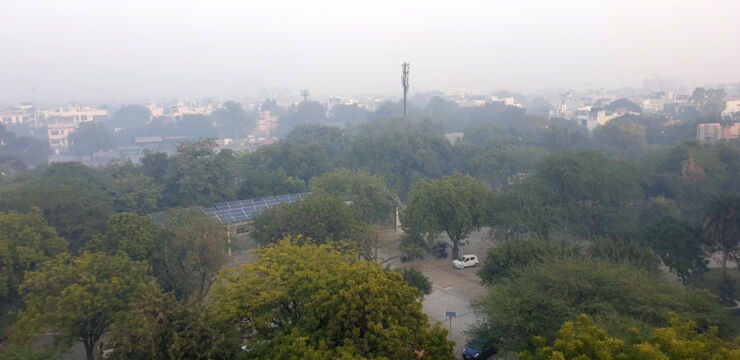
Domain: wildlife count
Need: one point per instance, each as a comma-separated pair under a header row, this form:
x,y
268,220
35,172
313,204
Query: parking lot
x,y
453,290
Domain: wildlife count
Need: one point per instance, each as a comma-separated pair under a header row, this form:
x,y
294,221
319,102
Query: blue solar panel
x,y
245,210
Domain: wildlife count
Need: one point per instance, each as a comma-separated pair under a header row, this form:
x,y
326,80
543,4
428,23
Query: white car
x,y
465,261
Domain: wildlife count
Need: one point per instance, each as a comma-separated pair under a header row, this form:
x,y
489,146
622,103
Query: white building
x,y
21,114
732,109
61,122
180,109
155,111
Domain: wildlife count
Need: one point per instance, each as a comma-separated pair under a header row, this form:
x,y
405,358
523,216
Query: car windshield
x,y
461,259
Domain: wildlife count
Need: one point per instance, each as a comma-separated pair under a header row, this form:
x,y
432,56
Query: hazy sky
x,y
134,50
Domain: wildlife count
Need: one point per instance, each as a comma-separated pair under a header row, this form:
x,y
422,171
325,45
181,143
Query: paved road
x,y
454,290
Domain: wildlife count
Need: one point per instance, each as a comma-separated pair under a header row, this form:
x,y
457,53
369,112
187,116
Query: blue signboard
x,y
450,313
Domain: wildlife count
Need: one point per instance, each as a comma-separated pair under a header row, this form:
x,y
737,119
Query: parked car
x,y
478,349
465,261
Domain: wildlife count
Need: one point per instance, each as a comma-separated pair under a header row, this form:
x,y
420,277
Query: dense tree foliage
x,y
161,328
680,341
314,302
321,219
90,138
192,251
456,205
367,193
26,242
542,296
18,153
79,297
679,245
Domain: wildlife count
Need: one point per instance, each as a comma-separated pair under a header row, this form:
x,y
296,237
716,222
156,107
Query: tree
x,y
131,117
624,103
416,279
233,121
721,225
314,302
197,174
26,242
126,235
137,194
656,208
680,341
193,250
90,138
456,205
679,245
263,183
618,296
322,218
367,193
709,103
627,137
79,297
73,198
21,152
513,254
160,327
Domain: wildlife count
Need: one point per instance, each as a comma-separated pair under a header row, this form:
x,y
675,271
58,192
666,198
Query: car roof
x,y
468,255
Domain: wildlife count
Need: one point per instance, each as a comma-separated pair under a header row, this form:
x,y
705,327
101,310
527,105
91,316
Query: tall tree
x,y
323,218
26,242
455,205
314,302
619,296
680,341
126,235
722,226
367,193
679,245
90,138
79,297
192,251
160,327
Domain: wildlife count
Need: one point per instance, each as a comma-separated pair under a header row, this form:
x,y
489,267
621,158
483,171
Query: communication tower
x,y
405,83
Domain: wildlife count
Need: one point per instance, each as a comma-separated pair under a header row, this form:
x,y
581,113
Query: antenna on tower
x,y
305,94
405,83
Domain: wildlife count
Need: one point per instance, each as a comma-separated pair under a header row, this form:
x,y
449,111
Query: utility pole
x,y
405,83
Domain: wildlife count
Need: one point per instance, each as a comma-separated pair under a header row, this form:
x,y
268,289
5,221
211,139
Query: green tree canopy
x,y
680,341
679,245
455,205
159,327
722,226
79,297
26,242
367,193
313,302
192,251
618,296
126,235
90,138
323,218
72,197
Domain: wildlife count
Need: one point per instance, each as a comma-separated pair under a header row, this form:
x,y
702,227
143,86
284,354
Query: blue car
x,y
478,349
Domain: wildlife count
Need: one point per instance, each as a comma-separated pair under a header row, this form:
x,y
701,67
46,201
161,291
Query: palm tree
x,y
722,224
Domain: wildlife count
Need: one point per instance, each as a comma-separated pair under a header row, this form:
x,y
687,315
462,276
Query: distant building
x,y
716,131
61,122
266,123
21,114
732,109
155,111
180,109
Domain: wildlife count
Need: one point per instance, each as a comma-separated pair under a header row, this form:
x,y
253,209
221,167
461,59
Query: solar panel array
x,y
246,210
